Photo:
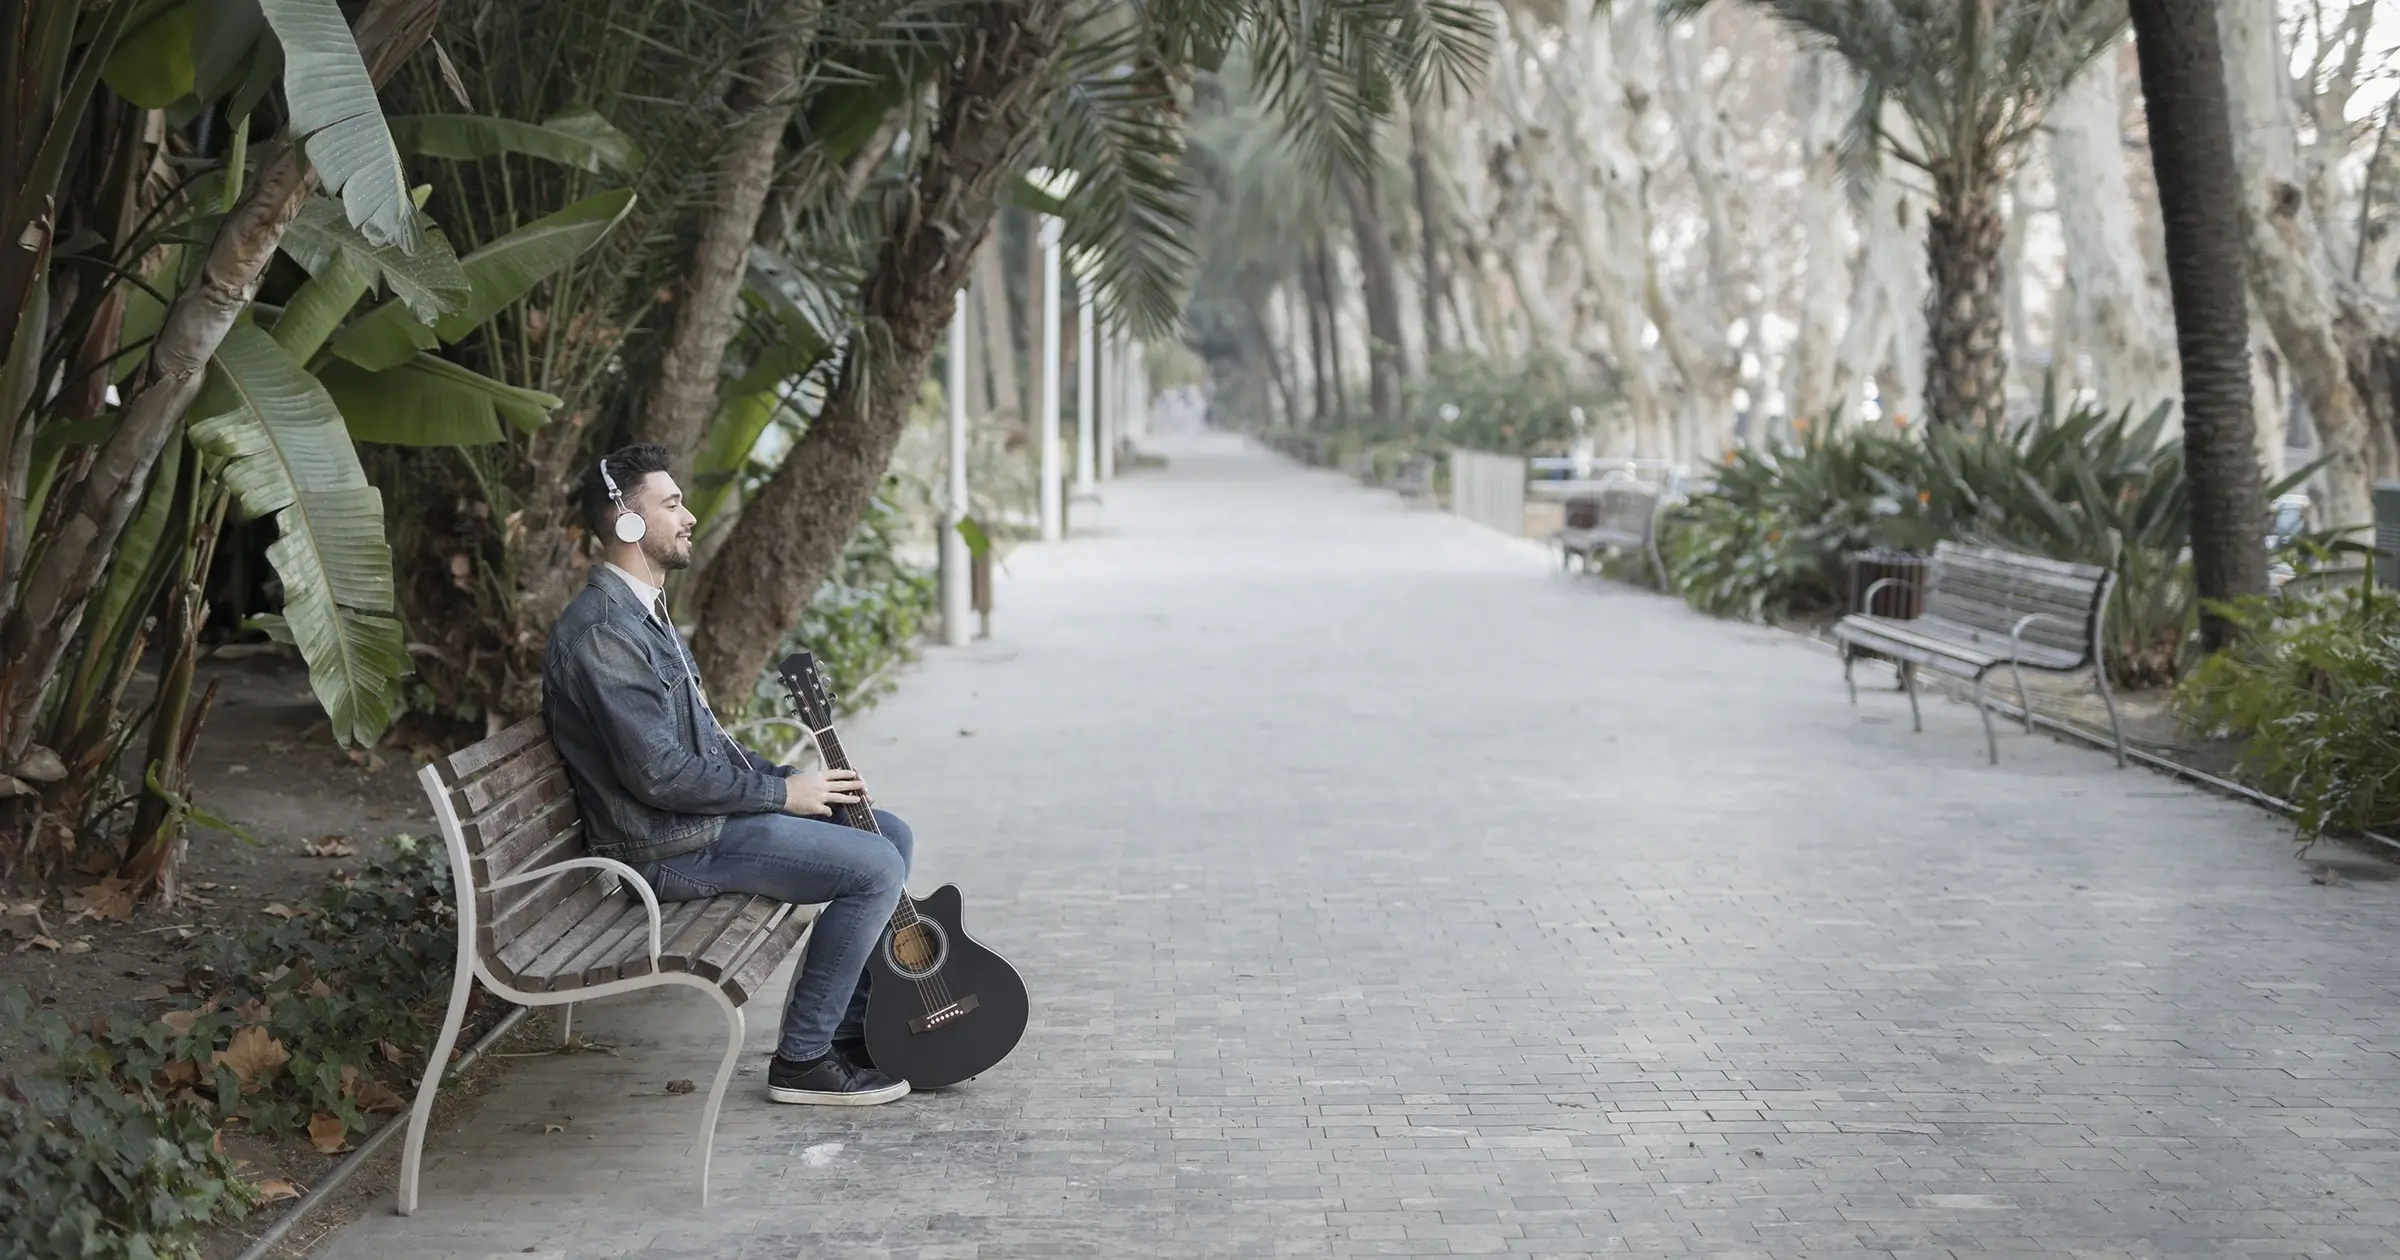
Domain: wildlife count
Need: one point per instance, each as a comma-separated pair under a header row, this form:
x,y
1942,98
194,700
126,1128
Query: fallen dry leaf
x,y
110,899
278,909
680,1087
553,1128
319,989
2325,875
99,862
39,942
328,847
155,993
327,1133
180,1022
276,1190
254,1011
254,1056
376,1097
79,947
180,1072
390,1051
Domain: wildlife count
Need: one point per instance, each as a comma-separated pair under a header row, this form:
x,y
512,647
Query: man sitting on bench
x,y
666,791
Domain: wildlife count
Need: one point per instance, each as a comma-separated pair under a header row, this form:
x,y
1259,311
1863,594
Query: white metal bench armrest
x,y
628,874
1878,584
2016,633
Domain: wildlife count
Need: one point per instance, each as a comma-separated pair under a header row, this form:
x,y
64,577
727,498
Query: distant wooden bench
x,y
542,923
1985,608
1414,478
1621,514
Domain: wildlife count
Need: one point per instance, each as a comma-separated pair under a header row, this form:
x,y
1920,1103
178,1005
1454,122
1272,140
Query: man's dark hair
x,y
630,465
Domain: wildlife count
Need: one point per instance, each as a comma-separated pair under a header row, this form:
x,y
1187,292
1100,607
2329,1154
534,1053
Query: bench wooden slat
x,y
516,951
754,921
495,824
751,973
478,757
479,794
559,839
561,965
720,916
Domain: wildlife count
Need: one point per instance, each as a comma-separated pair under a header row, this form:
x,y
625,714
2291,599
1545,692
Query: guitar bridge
x,y
934,1020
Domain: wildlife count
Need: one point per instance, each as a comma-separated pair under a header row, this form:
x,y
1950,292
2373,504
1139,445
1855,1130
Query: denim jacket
x,y
653,772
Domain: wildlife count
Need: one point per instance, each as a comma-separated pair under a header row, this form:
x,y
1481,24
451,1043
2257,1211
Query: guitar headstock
x,y
807,688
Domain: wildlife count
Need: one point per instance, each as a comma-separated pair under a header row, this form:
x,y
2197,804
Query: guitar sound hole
x,y
918,950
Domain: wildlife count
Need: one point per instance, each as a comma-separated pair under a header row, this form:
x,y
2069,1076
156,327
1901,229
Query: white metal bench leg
x,y
736,1029
1983,709
2116,725
412,1153
1849,679
2024,702
566,1025
1908,679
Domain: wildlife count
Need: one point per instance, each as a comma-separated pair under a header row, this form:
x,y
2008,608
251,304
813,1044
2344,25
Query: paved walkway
x,y
1383,892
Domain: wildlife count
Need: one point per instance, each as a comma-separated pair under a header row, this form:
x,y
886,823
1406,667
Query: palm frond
x,y
1129,215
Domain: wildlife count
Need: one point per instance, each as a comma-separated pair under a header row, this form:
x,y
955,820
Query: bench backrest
x,y
1991,590
515,811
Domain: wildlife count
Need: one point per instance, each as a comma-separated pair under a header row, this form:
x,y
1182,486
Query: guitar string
x,y
931,990
863,818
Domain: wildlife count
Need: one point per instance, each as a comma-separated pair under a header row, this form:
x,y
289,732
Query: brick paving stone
x,y
1383,891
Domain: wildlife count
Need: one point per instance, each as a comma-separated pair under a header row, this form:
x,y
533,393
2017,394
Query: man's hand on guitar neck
x,y
814,793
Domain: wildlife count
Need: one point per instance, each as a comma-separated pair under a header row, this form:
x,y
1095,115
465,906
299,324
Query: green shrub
x,y
866,614
1525,409
108,1143
94,1162
2313,693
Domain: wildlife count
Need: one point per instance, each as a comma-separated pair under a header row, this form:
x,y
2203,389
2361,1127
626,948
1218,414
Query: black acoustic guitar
x,y
942,1008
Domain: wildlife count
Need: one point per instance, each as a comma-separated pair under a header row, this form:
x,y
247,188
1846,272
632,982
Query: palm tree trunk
x,y
2191,149
1320,374
1429,230
1329,304
789,538
1966,370
75,555
683,396
1386,360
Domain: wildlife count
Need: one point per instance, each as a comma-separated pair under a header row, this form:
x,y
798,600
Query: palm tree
x,y
1972,79
1096,89
2191,149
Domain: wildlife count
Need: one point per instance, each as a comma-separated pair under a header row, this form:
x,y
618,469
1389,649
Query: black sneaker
x,y
855,1050
832,1081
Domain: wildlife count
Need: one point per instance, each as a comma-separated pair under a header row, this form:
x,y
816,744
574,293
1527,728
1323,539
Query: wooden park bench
x,y
1414,478
1622,513
1985,608
542,923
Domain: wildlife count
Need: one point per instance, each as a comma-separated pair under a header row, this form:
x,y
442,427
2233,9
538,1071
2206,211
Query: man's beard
x,y
671,555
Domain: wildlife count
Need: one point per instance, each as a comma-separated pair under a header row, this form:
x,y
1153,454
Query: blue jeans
x,y
807,861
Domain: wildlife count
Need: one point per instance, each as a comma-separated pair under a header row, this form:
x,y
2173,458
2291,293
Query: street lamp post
x,y
1053,501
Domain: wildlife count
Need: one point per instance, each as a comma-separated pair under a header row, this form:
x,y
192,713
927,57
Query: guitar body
x,y
941,1007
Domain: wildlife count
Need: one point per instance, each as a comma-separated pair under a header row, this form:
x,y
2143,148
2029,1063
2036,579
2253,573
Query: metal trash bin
x,y
1903,599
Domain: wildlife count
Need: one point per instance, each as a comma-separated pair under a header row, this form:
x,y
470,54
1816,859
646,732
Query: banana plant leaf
x,y
429,282
152,63
429,401
286,452
497,274
333,104
579,138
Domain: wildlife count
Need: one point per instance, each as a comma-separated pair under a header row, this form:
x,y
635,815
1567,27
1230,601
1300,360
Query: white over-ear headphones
x,y
630,525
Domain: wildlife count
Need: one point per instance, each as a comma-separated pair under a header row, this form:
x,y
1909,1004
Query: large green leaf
x,y
225,37
429,282
152,62
322,304
333,105
497,275
286,452
430,402
577,137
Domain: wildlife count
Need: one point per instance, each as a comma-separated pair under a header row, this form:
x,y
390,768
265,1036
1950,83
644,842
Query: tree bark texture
x,y
994,98
1429,228
2191,147
1966,372
1336,389
2291,274
2118,317
683,396
61,578
1378,274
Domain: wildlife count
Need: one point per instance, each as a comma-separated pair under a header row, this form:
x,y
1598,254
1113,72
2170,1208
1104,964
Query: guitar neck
x,y
861,815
